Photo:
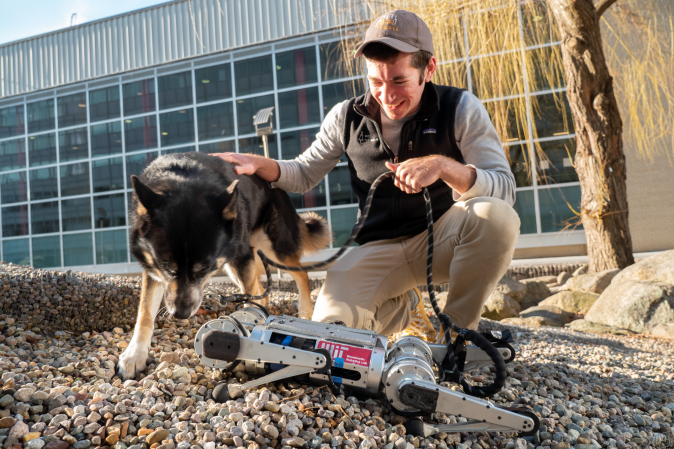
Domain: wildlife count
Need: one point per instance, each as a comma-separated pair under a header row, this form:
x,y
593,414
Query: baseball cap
x,y
402,30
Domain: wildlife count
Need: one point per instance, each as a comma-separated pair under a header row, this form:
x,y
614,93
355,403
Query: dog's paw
x,y
132,361
305,315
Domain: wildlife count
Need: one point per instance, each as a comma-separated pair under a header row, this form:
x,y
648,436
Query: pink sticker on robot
x,y
352,355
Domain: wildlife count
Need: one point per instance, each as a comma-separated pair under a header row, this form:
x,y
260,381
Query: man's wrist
x,y
456,175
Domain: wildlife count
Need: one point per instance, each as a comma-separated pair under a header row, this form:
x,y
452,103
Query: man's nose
x,y
387,95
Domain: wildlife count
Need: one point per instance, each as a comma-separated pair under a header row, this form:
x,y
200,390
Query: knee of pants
x,y
494,217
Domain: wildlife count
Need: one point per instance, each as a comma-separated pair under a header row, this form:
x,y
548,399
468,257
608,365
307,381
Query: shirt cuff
x,y
283,176
479,188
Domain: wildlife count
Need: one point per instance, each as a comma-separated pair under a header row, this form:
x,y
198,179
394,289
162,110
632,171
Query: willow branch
x,y
602,6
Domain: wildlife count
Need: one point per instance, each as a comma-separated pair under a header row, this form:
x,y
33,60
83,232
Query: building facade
x,y
82,109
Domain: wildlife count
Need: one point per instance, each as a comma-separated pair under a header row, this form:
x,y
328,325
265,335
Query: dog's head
x,y
182,235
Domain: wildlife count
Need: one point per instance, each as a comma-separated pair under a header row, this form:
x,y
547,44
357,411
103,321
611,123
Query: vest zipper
x,y
409,147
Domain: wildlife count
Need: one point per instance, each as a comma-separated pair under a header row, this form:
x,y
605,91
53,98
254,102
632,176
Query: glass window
x,y
215,121
338,92
537,24
44,183
526,208
451,74
342,221
254,145
15,221
13,187
106,138
555,161
42,149
552,115
253,75
111,247
47,252
497,76
177,127
175,90
109,211
545,68
493,30
72,109
557,206
140,133
73,145
520,164
16,251
333,63
509,118
44,217
108,174
228,146
299,107
78,249
11,121
76,214
104,103
246,109
12,154
296,67
178,150
136,164
213,83
339,180
138,97
75,179
313,198
41,116
294,143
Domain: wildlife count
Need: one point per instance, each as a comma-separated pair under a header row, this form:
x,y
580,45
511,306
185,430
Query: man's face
x,y
396,85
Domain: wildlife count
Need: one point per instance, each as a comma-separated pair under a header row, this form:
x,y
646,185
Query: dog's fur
x,y
192,215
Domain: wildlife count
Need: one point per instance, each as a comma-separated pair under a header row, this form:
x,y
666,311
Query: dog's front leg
x,y
133,360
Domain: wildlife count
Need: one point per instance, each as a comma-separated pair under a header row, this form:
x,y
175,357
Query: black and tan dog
x,y
191,215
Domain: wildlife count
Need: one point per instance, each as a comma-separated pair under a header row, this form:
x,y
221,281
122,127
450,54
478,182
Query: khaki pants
x,y
474,243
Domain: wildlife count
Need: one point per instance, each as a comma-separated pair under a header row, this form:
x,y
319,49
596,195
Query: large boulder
x,y
511,287
536,292
534,321
547,279
635,305
665,330
554,316
593,282
500,306
658,268
571,302
596,328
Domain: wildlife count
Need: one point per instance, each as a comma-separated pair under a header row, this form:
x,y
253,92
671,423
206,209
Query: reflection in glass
x,y
42,149
15,221
175,90
497,76
177,127
545,68
75,179
213,83
44,183
338,92
44,217
339,181
16,251
11,121
298,107
294,143
136,164
451,74
333,64
13,187
76,214
296,67
552,115
537,24
313,198
108,174
342,221
253,75
520,164
555,161
41,116
72,109
47,252
246,109
526,208
509,118
106,138
253,145
78,249
140,133
73,145
109,211
12,154
227,146
501,30
104,103
557,207
138,97
111,247
215,121
178,150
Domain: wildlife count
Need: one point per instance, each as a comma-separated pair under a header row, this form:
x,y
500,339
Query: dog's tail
x,y
315,232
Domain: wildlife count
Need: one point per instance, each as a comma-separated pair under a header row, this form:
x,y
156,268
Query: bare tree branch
x,y
602,6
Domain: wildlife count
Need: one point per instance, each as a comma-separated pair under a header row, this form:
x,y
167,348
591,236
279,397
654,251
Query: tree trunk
x,y
600,161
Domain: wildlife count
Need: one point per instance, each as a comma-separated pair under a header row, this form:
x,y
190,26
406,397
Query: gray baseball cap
x,y
402,30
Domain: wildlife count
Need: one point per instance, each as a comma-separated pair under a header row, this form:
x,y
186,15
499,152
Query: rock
x,y
170,357
500,306
635,305
179,372
82,444
157,436
24,394
534,321
663,330
658,268
546,279
571,301
593,282
553,316
6,423
271,431
37,443
57,445
6,400
597,328
66,370
535,293
19,429
441,299
580,270
563,277
510,287
31,436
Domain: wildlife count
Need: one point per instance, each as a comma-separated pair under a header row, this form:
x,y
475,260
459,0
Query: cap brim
x,y
391,42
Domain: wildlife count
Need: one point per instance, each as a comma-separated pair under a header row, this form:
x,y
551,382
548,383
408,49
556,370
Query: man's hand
x,y
251,164
413,175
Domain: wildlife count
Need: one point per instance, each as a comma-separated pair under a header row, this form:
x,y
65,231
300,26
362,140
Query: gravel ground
x,y
59,389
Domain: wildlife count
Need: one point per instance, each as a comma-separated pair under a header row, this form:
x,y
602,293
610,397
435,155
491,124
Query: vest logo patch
x,y
365,137
429,131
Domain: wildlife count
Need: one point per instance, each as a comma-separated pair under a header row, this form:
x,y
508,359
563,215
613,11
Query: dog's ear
x,y
148,198
227,201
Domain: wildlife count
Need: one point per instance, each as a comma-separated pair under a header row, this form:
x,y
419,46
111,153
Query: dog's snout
x,y
182,314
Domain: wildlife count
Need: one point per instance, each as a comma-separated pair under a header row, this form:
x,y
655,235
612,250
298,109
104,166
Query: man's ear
x,y
232,193
148,199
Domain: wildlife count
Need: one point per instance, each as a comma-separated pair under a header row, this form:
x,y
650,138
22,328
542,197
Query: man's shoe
x,y
420,326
